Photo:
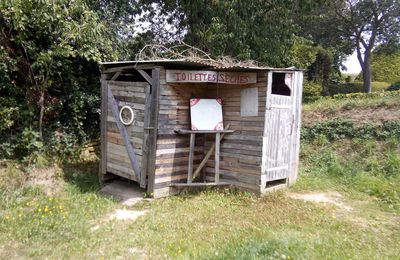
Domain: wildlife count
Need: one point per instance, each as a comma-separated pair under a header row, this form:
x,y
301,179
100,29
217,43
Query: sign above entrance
x,y
204,76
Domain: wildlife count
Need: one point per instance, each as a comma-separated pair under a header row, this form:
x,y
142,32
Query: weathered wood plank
x,y
153,128
103,125
191,152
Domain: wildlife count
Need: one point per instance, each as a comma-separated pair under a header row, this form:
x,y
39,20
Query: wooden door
x,y
278,130
126,141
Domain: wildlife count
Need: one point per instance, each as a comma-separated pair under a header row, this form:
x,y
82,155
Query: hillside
x,y
348,191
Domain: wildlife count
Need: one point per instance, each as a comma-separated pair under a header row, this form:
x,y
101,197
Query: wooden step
x,y
200,184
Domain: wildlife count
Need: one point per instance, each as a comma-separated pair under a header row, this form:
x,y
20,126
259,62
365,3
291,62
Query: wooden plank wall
x,y
172,152
134,95
241,152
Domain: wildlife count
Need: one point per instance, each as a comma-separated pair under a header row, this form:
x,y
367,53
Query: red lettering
x,y
183,76
177,75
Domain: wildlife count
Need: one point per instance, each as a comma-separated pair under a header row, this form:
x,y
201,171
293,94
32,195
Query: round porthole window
x,y
126,115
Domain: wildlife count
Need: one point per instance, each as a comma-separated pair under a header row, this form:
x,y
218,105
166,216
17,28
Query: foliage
x,y
395,86
49,78
385,67
364,24
356,87
340,129
261,30
311,91
365,165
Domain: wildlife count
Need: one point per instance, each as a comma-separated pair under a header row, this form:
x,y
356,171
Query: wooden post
x,y
145,146
191,152
103,126
153,127
208,155
217,145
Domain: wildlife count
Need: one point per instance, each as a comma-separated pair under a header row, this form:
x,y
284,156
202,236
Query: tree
x,y
262,30
386,63
365,23
40,36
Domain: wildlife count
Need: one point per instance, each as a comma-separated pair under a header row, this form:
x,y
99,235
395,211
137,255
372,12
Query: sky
x,y
352,64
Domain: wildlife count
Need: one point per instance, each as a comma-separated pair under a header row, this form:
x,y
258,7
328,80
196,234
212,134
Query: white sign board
x,y
206,114
249,102
203,76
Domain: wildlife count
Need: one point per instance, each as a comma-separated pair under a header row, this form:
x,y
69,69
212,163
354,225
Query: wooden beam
x,y
122,129
208,155
153,128
200,184
116,75
118,69
145,148
191,152
183,131
217,144
103,128
145,76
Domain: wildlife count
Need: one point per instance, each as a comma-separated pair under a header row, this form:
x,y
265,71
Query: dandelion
x,y
42,216
39,210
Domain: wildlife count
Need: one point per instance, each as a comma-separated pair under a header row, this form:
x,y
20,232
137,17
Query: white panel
x,y
249,102
206,114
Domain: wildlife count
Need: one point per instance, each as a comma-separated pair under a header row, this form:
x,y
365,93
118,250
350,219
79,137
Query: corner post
x,y
153,122
103,126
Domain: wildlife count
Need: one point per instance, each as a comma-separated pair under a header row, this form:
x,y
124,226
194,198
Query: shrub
x,y
394,87
311,91
340,129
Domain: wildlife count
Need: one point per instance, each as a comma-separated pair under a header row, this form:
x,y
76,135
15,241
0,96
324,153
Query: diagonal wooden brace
x,y
130,149
208,155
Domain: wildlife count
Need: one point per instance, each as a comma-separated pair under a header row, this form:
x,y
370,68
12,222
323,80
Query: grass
x,y
335,105
363,166
56,212
210,224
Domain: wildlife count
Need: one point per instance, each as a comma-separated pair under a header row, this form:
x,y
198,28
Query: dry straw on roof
x,y
189,53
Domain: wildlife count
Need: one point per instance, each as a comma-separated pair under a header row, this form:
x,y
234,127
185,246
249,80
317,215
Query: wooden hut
x,y
147,136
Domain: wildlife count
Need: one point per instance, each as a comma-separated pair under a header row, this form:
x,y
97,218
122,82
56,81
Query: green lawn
x,y
56,212
210,224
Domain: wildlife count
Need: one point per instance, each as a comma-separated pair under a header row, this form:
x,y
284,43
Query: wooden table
x,y
191,153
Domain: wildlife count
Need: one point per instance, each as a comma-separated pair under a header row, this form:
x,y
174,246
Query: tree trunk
x,y
367,75
41,113
326,70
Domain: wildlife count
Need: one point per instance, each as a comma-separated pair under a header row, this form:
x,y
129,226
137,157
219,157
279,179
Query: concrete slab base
x,y
129,193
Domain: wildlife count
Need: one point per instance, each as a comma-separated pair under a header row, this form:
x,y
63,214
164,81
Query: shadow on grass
x,y
82,175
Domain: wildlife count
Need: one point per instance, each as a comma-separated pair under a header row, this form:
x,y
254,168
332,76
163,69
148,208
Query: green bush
x,y
394,87
311,91
339,129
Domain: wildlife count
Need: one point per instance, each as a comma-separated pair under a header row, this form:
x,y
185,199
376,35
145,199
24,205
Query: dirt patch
x,y
48,179
123,214
333,198
358,115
